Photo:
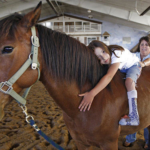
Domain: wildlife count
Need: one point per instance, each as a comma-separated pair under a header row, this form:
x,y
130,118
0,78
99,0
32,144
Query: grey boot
x,y
133,119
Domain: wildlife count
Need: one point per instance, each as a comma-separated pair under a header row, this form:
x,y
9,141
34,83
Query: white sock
x,y
132,94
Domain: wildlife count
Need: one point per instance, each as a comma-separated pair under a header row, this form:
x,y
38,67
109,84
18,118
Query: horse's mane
x,y
8,25
69,59
65,57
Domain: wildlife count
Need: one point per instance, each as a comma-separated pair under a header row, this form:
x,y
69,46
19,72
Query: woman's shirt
x,y
139,56
125,57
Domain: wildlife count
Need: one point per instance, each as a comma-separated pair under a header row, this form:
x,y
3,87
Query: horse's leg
x,y
81,146
110,146
111,143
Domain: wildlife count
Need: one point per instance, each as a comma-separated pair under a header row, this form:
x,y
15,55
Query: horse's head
x,y
15,48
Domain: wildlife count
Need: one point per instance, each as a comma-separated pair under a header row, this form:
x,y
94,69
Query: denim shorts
x,y
133,72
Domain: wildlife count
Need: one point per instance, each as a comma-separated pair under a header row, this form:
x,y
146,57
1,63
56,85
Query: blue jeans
x,y
133,72
132,137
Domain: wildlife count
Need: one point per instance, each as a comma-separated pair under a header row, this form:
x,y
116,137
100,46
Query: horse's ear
x,y
32,17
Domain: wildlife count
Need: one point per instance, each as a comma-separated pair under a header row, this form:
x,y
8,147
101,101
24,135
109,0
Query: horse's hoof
x,y
126,144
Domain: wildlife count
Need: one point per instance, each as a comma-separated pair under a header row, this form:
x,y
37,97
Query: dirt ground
x,y
16,134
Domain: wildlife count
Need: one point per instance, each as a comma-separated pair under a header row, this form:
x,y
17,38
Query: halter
x,y
33,61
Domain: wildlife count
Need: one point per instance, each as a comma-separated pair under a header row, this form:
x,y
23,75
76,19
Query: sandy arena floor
x,y
16,134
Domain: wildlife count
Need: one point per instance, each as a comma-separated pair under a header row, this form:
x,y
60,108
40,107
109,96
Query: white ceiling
x,y
117,11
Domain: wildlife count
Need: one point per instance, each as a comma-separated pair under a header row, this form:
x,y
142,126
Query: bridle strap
x,y
34,65
23,68
34,49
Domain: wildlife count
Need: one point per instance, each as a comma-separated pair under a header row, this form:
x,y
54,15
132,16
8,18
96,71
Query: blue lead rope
x,y
32,123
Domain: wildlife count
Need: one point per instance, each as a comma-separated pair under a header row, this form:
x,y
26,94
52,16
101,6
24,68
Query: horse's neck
x,y
65,94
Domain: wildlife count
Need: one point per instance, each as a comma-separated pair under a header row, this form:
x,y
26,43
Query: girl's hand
x,y
86,102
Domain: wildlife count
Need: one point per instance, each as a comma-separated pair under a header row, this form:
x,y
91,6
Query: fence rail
x,y
78,28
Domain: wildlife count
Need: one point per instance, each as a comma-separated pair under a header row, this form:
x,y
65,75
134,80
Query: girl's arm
x,y
105,80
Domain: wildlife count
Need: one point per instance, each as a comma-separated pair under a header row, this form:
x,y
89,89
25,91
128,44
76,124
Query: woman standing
x,y
142,52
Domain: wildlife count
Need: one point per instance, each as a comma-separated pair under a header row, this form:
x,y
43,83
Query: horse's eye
x,y
7,50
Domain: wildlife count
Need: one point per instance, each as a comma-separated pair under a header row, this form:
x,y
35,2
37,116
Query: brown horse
x,y
68,68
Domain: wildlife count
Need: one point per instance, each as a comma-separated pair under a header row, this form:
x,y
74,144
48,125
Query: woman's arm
x,y
89,96
145,63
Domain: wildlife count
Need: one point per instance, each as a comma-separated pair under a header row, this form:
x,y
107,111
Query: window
x,y
48,24
78,23
78,26
105,37
126,40
58,26
90,39
69,23
58,23
86,23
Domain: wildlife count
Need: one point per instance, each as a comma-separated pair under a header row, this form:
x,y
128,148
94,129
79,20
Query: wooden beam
x,y
72,16
145,11
50,4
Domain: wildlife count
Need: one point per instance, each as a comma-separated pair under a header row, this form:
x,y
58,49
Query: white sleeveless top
x,y
126,58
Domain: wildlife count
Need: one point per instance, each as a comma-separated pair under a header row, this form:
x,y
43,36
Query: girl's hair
x,y
108,49
145,38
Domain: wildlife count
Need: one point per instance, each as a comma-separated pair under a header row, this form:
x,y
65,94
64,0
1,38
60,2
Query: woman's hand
x,y
146,62
142,64
86,102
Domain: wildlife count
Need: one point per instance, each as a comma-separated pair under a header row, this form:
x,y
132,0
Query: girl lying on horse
x,y
120,58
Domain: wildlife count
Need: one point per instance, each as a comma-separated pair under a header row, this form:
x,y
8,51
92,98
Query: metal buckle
x,y
29,116
24,108
35,40
6,83
34,66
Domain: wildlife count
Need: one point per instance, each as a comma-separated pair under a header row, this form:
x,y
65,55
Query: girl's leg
x,y
130,85
132,101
